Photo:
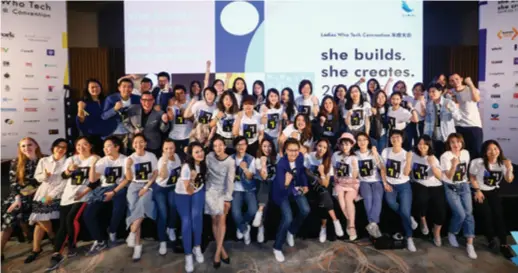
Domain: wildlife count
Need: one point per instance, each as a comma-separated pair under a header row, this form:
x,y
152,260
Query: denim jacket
x,y
447,118
248,184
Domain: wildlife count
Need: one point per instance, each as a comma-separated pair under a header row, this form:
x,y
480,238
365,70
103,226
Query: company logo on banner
x,y
34,59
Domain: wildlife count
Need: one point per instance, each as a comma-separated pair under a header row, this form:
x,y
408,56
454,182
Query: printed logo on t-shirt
x,y
393,168
79,175
342,169
271,171
328,126
460,173
391,122
173,176
249,130
304,109
178,118
142,170
491,178
112,174
198,181
237,176
366,167
272,121
204,117
356,117
227,125
419,171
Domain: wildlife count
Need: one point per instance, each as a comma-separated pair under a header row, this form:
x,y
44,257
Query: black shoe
x,y
55,261
494,245
32,256
72,252
3,257
506,251
216,265
227,260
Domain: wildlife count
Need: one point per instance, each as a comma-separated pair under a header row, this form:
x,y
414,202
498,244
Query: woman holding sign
x,y
73,200
111,171
249,124
190,201
169,166
141,170
397,188
454,165
486,173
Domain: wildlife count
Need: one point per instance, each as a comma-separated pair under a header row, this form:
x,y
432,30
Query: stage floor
x,y
306,256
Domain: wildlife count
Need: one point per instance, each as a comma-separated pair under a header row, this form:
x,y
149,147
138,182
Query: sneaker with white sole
x,y
370,229
246,235
323,235
290,239
189,263
131,239
197,254
424,229
171,233
410,245
162,250
414,223
137,253
260,234
338,228
113,237
437,241
471,251
279,256
452,238
377,231
352,234
239,234
258,219
92,249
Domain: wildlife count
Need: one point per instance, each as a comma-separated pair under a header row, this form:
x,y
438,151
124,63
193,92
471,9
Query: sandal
x,y
351,231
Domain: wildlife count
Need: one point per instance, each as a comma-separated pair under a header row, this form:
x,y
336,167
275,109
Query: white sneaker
x,y
323,235
163,248
189,264
197,254
137,253
410,245
471,251
131,239
258,219
424,229
290,239
414,223
352,234
452,238
338,228
377,231
246,235
239,235
92,249
370,229
278,255
113,237
171,234
260,234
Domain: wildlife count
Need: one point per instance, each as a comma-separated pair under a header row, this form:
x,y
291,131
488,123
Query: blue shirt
x,y
281,192
93,124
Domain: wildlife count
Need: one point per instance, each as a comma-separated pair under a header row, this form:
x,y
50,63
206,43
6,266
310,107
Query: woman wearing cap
x,y
329,123
249,125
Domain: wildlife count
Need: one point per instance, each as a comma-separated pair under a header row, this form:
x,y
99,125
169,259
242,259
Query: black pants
x,y
491,214
252,148
180,146
429,197
263,192
473,137
322,197
69,226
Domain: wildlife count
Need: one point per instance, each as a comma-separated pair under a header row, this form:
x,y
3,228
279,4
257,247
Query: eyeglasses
x,y
61,147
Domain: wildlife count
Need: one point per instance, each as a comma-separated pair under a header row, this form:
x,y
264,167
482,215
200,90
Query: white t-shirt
x,y
487,179
273,123
358,115
305,106
270,166
78,181
239,99
225,124
185,175
250,127
143,166
399,118
311,162
238,185
203,112
419,108
422,171
112,171
344,165
290,129
460,175
468,109
395,164
173,170
368,167
181,127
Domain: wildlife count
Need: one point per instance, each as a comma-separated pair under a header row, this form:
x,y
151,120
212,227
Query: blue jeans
x,y
287,222
403,192
238,198
372,193
190,208
92,210
459,199
380,143
166,208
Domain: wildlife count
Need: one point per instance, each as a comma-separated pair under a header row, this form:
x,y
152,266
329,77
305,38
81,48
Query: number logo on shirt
x,y
303,109
393,168
356,117
249,130
419,171
199,181
204,117
460,173
112,174
227,125
272,121
271,171
365,167
328,126
491,178
178,118
142,170
237,176
342,169
173,176
79,176
391,122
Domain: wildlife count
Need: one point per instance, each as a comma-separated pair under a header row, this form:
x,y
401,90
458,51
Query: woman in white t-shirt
x,y
398,117
169,166
454,166
357,111
427,189
249,124
345,166
141,170
239,90
73,199
299,130
202,110
272,113
224,118
190,202
307,103
180,126
398,192
319,170
108,173
486,173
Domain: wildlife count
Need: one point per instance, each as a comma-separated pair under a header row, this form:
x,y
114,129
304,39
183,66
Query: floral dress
x,y
30,185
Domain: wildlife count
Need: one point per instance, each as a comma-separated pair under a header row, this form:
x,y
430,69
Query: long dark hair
x,y
403,91
190,159
290,106
191,93
273,155
245,91
326,158
349,101
260,83
221,106
335,97
499,160
377,85
86,96
334,112
306,132
267,102
428,142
